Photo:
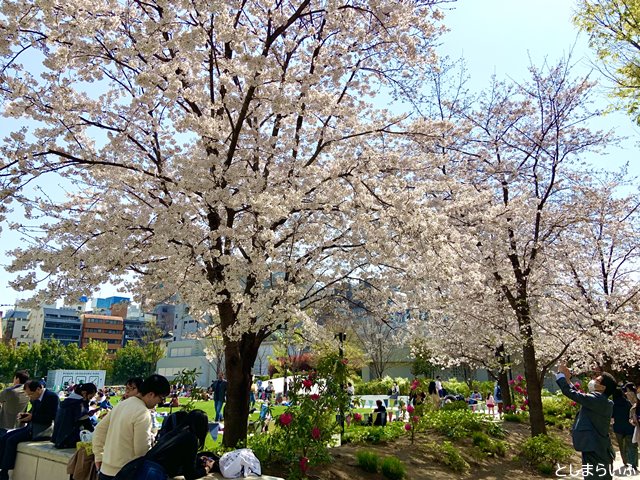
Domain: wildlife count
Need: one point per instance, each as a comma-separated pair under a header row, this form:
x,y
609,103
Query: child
x,y
490,404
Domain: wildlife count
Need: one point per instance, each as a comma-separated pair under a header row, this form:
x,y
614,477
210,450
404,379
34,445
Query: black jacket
x,y
71,418
43,413
177,452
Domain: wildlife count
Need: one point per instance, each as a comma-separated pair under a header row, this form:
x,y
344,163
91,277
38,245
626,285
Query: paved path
x,y
620,471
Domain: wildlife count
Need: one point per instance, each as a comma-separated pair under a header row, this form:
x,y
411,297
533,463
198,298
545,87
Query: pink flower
x,y
304,464
577,384
410,408
407,426
285,419
518,389
314,396
526,401
512,382
315,433
307,384
357,417
573,404
523,408
415,384
519,378
415,419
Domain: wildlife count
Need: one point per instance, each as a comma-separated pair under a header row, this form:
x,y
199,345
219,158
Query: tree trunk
x,y
534,388
503,379
503,382
239,359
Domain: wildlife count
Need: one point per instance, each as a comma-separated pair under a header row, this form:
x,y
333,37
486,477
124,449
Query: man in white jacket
x,y
125,433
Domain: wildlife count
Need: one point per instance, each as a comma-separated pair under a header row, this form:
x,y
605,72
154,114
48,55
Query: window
x,y
181,352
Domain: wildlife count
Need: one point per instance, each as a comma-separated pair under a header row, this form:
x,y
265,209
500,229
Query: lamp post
x,y
341,336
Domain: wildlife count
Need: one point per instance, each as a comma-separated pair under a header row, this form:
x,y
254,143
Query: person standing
x,y
219,388
633,397
623,429
13,400
497,395
439,387
126,433
268,392
433,394
37,424
590,432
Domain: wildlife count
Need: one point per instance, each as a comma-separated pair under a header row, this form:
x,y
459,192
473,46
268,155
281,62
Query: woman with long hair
x,y
73,416
178,452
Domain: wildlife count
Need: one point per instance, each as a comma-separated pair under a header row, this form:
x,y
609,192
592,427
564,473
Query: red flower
x,y
573,404
410,408
345,361
415,384
315,433
415,419
307,384
314,396
304,464
512,382
357,417
407,426
519,378
577,384
518,389
285,419
523,408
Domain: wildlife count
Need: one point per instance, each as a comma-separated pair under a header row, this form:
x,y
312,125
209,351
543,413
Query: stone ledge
x,y
46,450
42,461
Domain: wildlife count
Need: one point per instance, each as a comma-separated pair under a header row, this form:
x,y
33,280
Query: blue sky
x,y
500,37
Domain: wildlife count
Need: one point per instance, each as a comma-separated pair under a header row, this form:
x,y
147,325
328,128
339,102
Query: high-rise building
x,y
103,328
14,326
116,306
48,322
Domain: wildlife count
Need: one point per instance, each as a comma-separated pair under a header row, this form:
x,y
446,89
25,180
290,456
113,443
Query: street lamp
x,y
341,336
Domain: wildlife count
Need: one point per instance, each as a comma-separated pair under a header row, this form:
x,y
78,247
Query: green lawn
x,y
208,407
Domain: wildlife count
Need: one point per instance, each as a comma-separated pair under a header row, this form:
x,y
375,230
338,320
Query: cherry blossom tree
x,y
598,262
230,152
516,156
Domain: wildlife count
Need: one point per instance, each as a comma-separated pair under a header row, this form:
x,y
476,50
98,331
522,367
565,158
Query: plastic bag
x,y
240,463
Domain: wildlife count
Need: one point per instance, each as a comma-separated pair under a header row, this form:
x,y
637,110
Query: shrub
x,y
363,434
516,417
382,386
455,423
456,387
457,405
302,433
494,429
393,468
488,445
545,451
368,461
447,454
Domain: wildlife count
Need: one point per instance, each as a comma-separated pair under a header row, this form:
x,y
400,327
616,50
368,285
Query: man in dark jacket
x,y
38,425
73,414
590,432
219,388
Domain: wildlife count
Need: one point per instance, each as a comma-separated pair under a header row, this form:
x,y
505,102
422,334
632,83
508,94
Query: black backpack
x,y
171,422
145,466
